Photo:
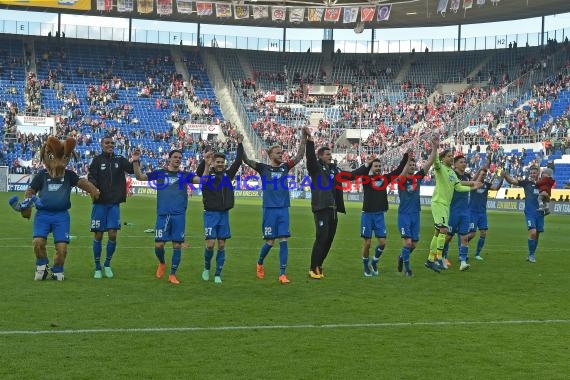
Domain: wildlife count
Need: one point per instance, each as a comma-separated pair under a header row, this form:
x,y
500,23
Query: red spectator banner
x,y
84,5
164,7
104,5
35,124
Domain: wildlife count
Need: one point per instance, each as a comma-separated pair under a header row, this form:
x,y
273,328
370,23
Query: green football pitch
x,y
504,318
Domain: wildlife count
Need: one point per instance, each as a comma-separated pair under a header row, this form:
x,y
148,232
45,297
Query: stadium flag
x,y
332,14
204,9
184,6
384,12
297,15
367,14
241,11
349,14
467,4
315,14
442,6
125,5
223,10
164,7
145,6
454,5
104,5
278,13
480,2
260,11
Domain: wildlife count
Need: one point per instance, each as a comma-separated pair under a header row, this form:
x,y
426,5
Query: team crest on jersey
x,y
116,165
410,188
378,182
103,166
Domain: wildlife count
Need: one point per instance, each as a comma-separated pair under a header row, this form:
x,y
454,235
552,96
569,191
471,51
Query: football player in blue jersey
x,y
478,208
218,200
276,202
409,209
53,188
459,217
107,173
171,204
534,217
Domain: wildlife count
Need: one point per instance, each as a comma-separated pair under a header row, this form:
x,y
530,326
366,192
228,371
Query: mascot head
x,y
55,155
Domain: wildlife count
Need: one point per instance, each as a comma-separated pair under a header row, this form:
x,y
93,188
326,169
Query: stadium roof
x,y
403,13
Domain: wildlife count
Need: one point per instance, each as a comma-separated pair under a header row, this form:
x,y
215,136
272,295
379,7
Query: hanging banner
x,y
384,12
454,5
315,14
278,13
367,14
349,14
204,9
223,10
467,4
104,5
297,15
442,6
145,6
241,11
84,5
164,7
184,6
125,5
260,11
332,14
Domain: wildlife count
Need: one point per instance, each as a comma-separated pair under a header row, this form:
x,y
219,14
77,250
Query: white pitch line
x,y
283,327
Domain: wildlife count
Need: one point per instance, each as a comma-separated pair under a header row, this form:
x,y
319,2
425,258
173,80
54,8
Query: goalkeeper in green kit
x,y
446,182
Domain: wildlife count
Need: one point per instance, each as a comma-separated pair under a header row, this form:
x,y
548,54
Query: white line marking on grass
x,y
283,327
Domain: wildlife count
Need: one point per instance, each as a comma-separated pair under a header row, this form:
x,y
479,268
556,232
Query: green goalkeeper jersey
x,y
446,182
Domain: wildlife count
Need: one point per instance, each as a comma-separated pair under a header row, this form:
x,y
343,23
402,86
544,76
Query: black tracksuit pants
x,y
326,221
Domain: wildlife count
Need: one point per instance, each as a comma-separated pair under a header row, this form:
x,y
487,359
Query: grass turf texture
x,y
502,288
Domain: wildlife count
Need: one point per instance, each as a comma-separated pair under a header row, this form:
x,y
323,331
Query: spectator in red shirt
x,y
545,185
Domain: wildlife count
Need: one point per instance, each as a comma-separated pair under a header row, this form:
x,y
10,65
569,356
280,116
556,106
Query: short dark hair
x,y
458,157
174,151
219,155
322,150
375,160
444,153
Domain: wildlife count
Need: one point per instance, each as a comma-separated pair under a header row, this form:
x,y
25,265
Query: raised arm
x,y
302,147
312,165
401,166
509,179
433,155
252,164
232,171
136,159
498,185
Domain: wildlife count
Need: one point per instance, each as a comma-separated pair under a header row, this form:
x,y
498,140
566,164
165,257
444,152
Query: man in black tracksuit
x,y
107,173
326,200
218,199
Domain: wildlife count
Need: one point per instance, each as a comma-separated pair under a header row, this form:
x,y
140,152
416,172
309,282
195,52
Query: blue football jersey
x,y
460,200
54,192
274,185
478,202
531,192
172,193
410,194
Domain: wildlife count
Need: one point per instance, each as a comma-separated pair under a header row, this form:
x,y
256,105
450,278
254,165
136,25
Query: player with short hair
x,y
459,218
218,199
534,217
107,172
374,207
409,209
171,204
478,208
446,182
275,204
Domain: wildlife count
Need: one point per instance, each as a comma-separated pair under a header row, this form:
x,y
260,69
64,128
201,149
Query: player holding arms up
x,y
409,209
276,202
446,182
218,199
171,205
